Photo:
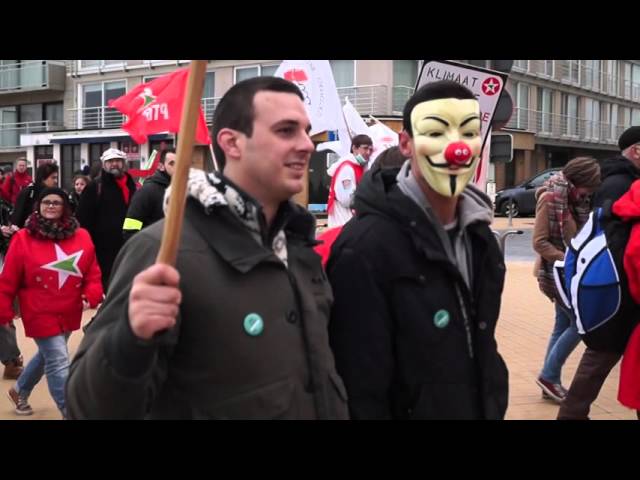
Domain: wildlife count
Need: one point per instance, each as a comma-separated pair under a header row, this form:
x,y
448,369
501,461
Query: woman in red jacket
x,y
51,267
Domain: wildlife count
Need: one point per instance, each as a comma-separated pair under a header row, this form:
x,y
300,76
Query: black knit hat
x,y
629,137
54,191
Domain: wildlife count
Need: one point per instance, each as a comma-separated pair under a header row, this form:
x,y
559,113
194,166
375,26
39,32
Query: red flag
x,y
156,107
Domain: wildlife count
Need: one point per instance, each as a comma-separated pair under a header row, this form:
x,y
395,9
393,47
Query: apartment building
x,y
562,108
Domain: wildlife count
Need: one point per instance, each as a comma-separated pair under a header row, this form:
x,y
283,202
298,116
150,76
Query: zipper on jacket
x,y
465,317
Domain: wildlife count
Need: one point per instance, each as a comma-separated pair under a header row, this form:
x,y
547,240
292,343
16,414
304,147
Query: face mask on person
x,y
447,142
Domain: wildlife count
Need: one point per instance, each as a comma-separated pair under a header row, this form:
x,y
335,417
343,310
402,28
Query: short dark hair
x,y
392,157
360,140
433,91
236,109
163,154
44,171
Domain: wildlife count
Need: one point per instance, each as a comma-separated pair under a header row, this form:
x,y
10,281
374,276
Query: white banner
x,y
315,80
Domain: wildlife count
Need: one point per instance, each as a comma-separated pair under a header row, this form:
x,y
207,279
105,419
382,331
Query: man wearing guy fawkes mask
x,y
417,275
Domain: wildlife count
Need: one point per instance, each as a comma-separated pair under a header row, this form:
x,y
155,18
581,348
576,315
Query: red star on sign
x,y
295,75
490,86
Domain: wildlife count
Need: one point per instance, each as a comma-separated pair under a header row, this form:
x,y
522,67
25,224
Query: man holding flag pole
x,y
237,329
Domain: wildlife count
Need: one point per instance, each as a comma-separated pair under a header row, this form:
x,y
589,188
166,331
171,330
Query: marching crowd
x,y
390,313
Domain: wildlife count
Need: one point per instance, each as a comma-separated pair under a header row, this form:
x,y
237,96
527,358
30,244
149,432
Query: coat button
x,y
292,317
482,325
422,279
413,223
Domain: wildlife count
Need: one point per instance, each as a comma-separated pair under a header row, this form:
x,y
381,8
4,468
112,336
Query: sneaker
x,y
21,404
555,391
13,368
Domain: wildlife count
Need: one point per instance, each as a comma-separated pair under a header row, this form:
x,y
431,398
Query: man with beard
x,y
417,275
103,208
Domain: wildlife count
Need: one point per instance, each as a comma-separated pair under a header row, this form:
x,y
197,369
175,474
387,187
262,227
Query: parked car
x,y
522,196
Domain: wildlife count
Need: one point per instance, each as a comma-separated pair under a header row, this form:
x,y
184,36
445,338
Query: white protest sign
x,y
485,84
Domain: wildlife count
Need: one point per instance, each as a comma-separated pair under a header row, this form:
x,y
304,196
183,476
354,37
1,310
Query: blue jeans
x,y
564,340
52,360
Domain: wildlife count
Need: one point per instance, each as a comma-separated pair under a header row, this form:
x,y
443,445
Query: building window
x,y
612,77
592,116
635,83
96,150
250,71
545,107
522,65
344,72
209,89
95,97
613,122
626,117
70,163
43,152
53,115
570,113
522,106
591,77
626,87
9,133
405,74
87,64
635,116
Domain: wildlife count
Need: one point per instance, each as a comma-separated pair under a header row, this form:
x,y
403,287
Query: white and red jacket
x,y
345,176
50,279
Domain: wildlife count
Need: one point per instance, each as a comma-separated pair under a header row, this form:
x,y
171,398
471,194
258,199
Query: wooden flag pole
x,y
188,123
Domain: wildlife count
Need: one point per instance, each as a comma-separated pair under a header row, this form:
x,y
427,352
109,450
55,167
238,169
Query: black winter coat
x,y
411,341
102,211
617,173
146,207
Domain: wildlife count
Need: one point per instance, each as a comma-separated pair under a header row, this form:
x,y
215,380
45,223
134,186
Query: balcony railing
x,y
579,74
565,127
32,75
367,99
106,117
95,118
401,93
208,107
10,132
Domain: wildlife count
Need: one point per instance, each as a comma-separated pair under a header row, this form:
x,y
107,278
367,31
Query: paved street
x,y
523,331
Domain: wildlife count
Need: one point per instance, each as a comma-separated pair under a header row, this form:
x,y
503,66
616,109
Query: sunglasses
x,y
52,203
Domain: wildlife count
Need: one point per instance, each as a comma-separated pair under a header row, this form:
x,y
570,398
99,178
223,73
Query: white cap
x,y
113,153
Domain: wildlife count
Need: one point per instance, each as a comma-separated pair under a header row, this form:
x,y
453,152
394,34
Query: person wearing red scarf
x,y
51,268
103,207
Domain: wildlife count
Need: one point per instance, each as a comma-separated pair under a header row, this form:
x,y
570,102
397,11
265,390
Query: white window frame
x,y
520,68
253,65
80,95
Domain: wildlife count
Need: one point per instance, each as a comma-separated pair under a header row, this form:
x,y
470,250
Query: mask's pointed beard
x,y
452,184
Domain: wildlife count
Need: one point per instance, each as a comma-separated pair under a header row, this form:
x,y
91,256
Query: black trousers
x,y
593,370
8,343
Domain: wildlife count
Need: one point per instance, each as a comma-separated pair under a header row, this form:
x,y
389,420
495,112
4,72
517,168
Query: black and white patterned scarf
x,y
212,191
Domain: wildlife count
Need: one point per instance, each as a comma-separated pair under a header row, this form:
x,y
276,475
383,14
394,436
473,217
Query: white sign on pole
x,y
485,84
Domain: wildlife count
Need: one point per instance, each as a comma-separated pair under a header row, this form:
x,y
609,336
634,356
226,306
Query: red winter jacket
x,y
49,279
13,184
628,208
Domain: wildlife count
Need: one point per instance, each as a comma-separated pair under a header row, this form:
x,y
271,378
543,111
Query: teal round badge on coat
x,y
441,318
253,324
